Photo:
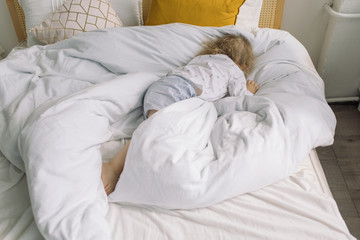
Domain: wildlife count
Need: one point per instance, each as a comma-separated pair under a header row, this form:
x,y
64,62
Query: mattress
x,y
298,207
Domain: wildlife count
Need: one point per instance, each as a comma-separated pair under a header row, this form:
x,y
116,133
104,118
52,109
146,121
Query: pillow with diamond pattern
x,y
74,17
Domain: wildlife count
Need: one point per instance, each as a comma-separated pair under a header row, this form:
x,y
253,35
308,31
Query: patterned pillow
x,y
76,16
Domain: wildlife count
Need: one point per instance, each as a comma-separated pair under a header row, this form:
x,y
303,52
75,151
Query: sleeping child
x,y
220,69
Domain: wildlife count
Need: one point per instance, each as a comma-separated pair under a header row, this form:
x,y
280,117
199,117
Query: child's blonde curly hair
x,y
237,47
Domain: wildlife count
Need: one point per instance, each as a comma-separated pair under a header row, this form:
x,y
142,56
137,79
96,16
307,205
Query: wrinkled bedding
x,y
61,102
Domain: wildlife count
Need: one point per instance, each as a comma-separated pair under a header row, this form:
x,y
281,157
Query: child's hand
x,y
252,86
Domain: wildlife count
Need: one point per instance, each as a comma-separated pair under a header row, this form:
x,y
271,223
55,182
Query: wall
x,y
307,21
8,38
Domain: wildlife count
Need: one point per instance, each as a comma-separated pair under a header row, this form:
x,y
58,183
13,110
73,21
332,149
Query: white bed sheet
x,y
298,207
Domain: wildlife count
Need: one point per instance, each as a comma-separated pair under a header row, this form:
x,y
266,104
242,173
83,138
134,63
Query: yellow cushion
x,y
197,12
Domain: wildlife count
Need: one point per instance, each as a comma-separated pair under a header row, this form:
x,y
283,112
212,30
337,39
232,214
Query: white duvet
x,y
61,102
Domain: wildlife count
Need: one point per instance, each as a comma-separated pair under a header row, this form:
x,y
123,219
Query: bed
x,y
248,170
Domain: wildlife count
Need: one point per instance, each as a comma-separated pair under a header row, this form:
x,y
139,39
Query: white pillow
x,y
249,14
36,11
128,11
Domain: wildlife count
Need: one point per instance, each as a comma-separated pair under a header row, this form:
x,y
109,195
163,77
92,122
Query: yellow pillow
x,y
215,13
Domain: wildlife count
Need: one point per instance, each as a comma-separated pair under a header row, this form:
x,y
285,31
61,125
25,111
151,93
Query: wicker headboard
x,y
270,17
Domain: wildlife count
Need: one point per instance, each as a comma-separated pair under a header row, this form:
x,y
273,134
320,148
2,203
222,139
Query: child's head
x,y
238,48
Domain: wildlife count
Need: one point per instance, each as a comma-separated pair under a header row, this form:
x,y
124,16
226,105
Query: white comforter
x,y
59,103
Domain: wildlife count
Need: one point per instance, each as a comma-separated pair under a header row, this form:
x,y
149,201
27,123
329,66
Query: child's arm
x,y
238,85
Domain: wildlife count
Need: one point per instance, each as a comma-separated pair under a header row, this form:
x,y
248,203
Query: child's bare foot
x,y
252,86
109,178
